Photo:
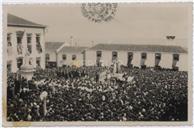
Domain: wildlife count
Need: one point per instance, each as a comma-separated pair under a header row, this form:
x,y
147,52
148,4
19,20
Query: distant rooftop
x,y
73,49
53,46
136,47
13,20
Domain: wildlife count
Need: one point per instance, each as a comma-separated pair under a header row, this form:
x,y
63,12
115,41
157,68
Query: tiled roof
x,y
53,46
134,47
72,49
18,21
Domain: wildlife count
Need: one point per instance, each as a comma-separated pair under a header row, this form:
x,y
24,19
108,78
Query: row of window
x,y
19,37
64,57
115,55
130,55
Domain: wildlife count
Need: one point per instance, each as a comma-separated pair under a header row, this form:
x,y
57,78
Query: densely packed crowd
x,y
77,94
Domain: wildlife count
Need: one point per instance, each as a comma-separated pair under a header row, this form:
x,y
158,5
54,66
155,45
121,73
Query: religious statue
x,y
26,58
27,69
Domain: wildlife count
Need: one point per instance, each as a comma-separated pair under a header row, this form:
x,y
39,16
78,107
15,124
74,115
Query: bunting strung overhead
x,y
99,12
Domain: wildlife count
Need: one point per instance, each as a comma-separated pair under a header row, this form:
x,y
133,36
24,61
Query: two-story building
x,y
24,37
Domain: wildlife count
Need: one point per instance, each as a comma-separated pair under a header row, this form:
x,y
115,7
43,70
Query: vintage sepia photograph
x,y
97,63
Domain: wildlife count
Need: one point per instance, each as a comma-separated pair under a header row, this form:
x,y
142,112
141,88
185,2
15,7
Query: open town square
x,y
102,63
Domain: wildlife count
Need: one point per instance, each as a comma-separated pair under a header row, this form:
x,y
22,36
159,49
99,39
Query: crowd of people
x,y
77,94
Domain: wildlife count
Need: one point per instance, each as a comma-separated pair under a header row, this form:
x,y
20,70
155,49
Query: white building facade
x,y
71,56
59,54
24,37
138,55
51,53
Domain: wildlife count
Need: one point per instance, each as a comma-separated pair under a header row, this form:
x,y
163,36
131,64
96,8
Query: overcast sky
x,y
133,23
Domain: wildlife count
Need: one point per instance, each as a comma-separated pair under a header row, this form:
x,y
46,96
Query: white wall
x,y
150,60
90,57
122,57
183,62
106,57
52,56
14,55
69,61
136,59
166,60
